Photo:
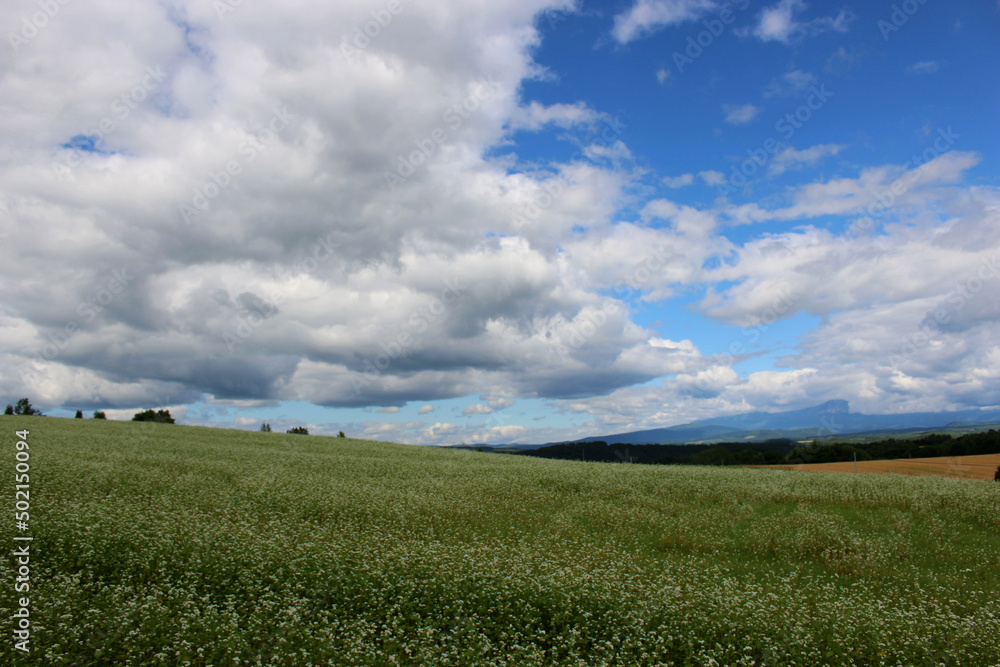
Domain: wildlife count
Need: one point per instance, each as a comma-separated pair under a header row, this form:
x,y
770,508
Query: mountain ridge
x,y
830,418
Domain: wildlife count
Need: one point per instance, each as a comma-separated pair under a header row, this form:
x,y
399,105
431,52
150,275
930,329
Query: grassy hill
x,y
160,544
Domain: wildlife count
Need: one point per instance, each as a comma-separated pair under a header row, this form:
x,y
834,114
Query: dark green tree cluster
x,y
78,415
936,444
99,414
297,430
724,456
727,453
775,451
819,453
23,408
159,416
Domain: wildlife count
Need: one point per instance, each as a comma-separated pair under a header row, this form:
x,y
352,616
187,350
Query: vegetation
x,y
23,408
265,428
817,453
732,453
78,415
987,442
159,416
298,430
99,414
211,546
773,452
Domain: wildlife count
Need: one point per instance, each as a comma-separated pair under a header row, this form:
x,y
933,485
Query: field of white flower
x,y
161,544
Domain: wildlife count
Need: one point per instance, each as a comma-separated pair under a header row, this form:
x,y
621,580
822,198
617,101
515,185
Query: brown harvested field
x,y
982,466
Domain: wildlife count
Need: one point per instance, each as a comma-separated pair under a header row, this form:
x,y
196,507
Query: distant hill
x,y
827,419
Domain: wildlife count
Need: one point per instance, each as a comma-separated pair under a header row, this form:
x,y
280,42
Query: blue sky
x,y
522,220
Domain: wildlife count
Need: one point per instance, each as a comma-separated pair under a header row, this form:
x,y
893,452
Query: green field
x,y
161,544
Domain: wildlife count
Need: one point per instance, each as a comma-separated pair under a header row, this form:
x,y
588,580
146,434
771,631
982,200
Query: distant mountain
x,y
830,418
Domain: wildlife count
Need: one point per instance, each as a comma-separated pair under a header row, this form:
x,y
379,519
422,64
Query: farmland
x,y
983,466
160,544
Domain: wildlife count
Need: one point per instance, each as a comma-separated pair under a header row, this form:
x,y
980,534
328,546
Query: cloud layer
x,y
277,202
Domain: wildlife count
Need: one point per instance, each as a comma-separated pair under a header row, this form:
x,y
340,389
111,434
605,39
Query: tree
x,y
265,428
160,416
341,435
23,407
99,414
996,475
298,430
9,410
78,415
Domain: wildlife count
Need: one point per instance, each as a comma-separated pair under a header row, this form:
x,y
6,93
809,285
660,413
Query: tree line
x,y
774,451
24,408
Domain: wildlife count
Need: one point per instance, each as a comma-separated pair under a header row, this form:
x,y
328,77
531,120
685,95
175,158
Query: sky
x,y
471,221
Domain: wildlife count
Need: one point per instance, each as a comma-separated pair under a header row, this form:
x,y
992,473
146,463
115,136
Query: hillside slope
x,y
165,544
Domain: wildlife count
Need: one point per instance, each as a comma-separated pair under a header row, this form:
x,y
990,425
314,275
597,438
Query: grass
x,y
168,545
